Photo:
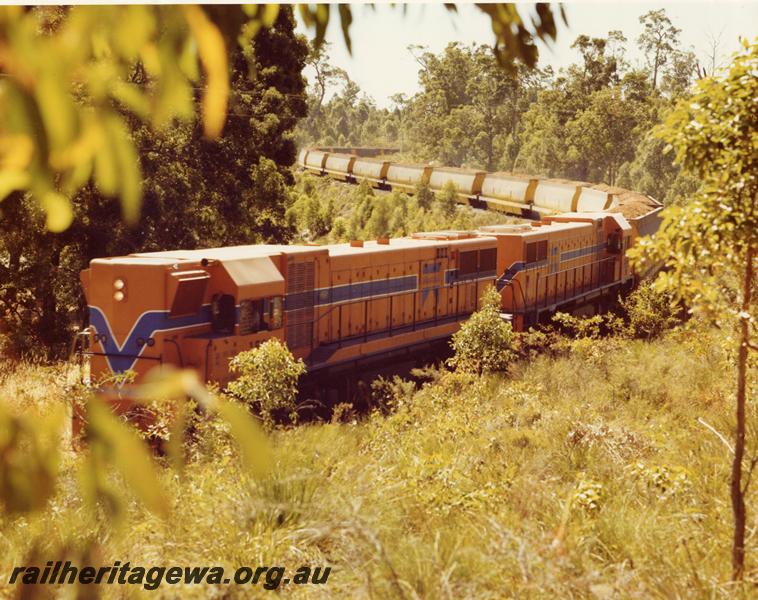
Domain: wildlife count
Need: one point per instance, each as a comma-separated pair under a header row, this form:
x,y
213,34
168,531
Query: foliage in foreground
x,y
590,473
709,246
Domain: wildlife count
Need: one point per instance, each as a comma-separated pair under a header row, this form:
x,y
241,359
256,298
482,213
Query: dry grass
x,y
580,476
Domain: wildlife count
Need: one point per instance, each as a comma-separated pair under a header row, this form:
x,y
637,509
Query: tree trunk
x,y
737,491
655,68
48,325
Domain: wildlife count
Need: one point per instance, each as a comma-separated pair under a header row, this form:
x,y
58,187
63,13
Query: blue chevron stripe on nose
x,y
122,357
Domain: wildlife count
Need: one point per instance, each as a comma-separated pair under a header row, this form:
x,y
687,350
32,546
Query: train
x,y
339,306
521,195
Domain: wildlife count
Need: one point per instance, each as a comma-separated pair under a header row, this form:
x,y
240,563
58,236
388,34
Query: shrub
x,y
379,223
339,230
424,196
650,312
387,394
448,198
592,328
485,342
268,377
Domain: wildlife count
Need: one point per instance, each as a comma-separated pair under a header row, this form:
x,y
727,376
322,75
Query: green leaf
x,y
253,444
12,180
346,19
212,52
128,453
57,110
268,14
170,384
106,164
58,211
127,161
131,98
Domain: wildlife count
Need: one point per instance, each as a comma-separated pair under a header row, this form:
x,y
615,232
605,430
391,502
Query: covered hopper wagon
x,y
525,196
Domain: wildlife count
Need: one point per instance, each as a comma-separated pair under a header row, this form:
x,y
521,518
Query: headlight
x,y
118,296
119,284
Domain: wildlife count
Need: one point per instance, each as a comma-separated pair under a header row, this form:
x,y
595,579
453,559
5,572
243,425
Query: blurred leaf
x,y
253,444
306,15
169,384
128,454
58,211
346,19
127,162
106,165
188,60
317,17
175,447
20,118
151,59
57,110
16,151
213,56
268,14
134,27
11,180
514,43
29,455
131,98
161,384
173,97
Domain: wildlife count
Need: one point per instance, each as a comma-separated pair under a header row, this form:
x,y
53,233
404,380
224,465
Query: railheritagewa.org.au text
x,y
151,578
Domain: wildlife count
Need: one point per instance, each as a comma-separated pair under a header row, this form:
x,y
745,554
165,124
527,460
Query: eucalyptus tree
x,y
658,40
709,244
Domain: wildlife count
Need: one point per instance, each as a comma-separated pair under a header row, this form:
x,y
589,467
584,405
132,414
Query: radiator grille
x,y
300,277
300,282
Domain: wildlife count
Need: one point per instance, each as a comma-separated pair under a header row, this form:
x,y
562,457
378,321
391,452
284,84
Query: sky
x,y
382,66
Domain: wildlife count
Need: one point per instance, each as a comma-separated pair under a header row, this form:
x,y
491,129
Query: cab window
x,y
251,316
536,251
262,314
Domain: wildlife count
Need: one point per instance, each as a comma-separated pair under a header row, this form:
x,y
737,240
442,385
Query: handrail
x,y
595,282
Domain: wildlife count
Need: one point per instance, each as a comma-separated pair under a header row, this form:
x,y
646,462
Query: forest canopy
x,y
589,122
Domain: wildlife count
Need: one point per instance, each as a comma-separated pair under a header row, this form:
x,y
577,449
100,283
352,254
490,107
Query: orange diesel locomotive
x,y
340,304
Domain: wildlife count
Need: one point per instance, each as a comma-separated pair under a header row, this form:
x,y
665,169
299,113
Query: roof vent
x,y
356,243
383,241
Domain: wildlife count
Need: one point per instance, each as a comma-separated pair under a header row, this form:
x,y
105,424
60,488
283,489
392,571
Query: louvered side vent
x,y
300,331
299,304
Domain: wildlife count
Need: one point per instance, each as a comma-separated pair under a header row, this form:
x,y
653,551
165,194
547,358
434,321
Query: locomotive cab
x,y
154,309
